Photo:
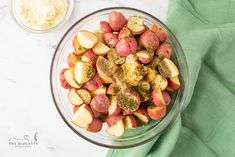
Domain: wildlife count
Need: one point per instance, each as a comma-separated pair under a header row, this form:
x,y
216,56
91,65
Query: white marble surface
x,y
26,104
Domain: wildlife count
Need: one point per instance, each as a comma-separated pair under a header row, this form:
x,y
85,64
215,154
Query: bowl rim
x,y
69,12
184,94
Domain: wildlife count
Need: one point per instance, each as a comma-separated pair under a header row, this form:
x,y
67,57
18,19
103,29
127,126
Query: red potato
x,y
156,112
130,122
75,108
101,90
113,89
95,113
100,49
149,40
78,49
128,100
164,50
174,83
74,98
157,97
167,68
144,56
124,33
114,109
160,32
89,57
112,120
136,25
100,103
111,39
142,115
84,95
95,125
72,60
70,78
160,82
116,130
83,116
166,97
86,39
105,27
93,84
117,20
64,83
126,46
84,72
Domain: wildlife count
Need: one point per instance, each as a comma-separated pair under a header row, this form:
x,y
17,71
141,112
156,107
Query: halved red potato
x,y
160,32
166,97
93,84
157,97
149,40
83,117
113,109
151,75
87,39
100,36
130,122
167,68
63,81
72,59
160,82
105,27
142,115
105,67
126,46
70,78
83,72
113,89
145,56
89,57
100,49
164,50
100,103
78,49
112,120
124,33
100,90
174,83
117,20
95,125
95,113
156,112
111,39
136,25
74,98
128,100
117,129
114,57
84,95
106,79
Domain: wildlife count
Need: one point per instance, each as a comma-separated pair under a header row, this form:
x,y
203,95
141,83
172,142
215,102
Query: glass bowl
x,y
15,13
132,137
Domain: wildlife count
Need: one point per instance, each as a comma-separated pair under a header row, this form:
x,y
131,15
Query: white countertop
x,y
26,105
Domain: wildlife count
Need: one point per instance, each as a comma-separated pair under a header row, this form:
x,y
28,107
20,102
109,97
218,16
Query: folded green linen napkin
x,y
206,127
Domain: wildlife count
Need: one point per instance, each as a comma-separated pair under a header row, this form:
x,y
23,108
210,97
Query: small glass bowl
x,y
132,137
15,13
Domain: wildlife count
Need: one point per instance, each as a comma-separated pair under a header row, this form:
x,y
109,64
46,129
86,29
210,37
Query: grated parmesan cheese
x,y
43,14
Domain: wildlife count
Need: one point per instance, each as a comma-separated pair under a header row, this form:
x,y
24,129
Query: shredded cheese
x,y
43,14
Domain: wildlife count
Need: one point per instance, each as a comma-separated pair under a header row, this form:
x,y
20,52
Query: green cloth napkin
x,y
206,127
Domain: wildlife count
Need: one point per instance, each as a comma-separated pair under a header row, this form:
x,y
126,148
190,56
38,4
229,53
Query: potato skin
x,y
124,33
100,103
111,39
149,40
126,46
160,32
117,20
105,27
164,50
